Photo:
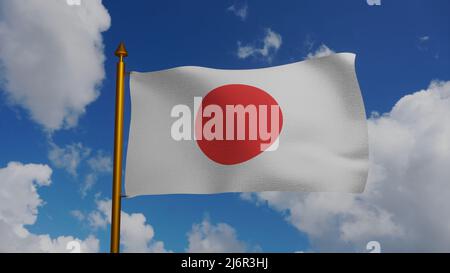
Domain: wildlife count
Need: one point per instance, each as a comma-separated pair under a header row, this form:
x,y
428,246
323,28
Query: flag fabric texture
x,y
294,127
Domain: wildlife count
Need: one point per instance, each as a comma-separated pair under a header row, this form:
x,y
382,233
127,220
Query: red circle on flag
x,y
229,137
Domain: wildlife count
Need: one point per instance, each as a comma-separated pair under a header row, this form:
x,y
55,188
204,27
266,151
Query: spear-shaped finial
x,y
121,51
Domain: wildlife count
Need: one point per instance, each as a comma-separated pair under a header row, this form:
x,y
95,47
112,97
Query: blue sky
x,y
401,47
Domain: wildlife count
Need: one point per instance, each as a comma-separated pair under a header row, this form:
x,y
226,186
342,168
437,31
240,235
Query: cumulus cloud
x,y
424,38
240,10
320,52
19,205
77,214
207,237
99,165
423,43
269,46
68,157
71,156
406,203
51,56
135,234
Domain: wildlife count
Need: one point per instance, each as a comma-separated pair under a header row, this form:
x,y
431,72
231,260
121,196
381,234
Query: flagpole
x,y
121,52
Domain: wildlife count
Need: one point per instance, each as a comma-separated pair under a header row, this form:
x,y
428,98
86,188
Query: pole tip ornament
x,y
121,51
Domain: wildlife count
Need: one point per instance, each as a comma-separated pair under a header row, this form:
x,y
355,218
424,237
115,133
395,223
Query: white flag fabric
x,y
294,127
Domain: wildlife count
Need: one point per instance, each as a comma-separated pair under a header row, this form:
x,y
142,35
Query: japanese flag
x,y
295,127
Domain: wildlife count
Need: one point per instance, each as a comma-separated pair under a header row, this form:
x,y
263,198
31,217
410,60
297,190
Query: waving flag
x,y
295,127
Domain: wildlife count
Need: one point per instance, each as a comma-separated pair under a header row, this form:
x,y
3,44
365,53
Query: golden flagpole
x,y
121,52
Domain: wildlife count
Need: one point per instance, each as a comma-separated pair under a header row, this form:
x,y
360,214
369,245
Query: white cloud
x,y
72,156
52,57
78,215
423,43
88,183
135,235
19,205
406,203
60,244
270,45
138,236
322,51
206,237
97,220
424,38
99,164
240,10
68,157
